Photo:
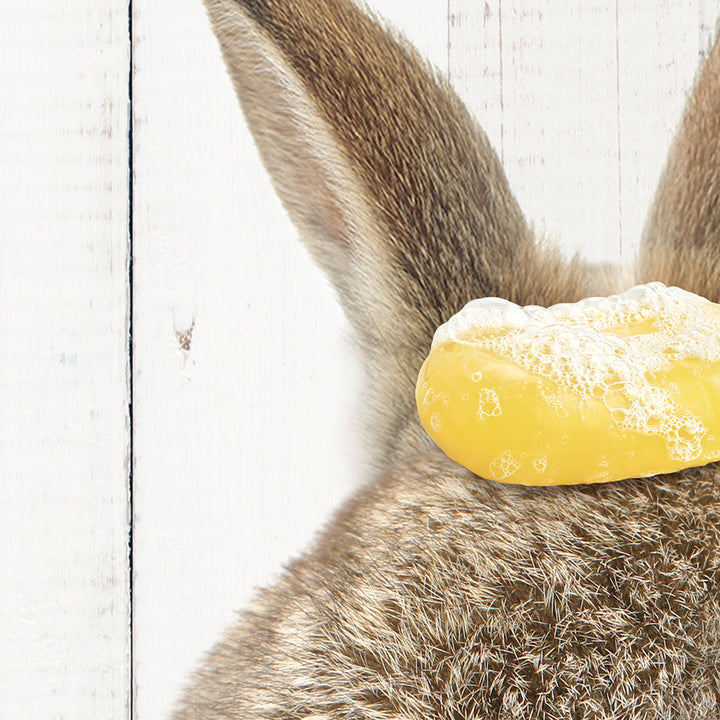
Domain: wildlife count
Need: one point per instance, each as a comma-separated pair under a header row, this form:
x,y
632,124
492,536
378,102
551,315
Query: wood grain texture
x,y
220,451
64,433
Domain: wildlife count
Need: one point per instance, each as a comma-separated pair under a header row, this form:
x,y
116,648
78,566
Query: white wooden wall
x,y
245,393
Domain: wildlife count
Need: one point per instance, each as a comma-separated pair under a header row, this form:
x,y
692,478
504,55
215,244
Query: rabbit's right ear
x,y
681,239
394,188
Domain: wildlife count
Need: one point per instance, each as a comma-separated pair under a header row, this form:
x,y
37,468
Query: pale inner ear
x,y
323,196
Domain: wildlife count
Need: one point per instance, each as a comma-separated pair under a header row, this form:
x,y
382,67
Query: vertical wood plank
x,y
245,387
64,601
475,62
559,120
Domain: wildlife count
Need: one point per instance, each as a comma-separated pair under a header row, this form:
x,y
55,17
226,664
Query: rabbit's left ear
x,y
681,240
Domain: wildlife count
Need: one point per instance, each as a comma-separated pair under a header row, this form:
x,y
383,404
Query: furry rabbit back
x,y
435,593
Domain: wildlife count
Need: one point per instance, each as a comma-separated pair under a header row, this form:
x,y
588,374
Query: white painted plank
x,y
475,62
559,120
64,602
235,468
246,440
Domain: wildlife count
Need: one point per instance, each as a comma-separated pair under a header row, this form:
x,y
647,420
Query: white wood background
x,y
245,391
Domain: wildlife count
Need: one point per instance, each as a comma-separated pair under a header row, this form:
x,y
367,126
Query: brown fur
x,y
436,593
682,234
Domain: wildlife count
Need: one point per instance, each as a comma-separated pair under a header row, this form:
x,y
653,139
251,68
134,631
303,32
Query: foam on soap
x,y
640,371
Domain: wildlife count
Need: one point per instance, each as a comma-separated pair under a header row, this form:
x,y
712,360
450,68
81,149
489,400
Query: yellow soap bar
x,y
600,390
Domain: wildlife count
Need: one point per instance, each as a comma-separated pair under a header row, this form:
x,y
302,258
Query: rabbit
x,y
435,593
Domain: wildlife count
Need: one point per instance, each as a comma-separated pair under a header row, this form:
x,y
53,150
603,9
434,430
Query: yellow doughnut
x,y
595,391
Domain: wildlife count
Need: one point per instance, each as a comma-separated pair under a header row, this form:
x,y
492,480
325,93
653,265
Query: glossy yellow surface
x,y
601,390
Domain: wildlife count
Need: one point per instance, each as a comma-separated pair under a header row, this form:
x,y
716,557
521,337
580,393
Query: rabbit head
x,y
436,593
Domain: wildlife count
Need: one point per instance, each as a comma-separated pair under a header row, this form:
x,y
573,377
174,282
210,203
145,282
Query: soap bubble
x,y
504,466
489,404
601,349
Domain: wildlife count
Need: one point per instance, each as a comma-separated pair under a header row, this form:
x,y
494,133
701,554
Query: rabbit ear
x,y
310,173
681,239
394,188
